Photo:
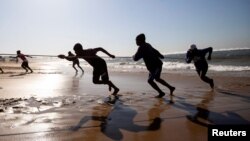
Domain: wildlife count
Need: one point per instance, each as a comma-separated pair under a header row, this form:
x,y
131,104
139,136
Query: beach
x,y
124,70
56,104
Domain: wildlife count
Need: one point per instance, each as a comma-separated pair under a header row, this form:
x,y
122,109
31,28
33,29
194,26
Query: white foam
x,y
229,68
177,66
174,66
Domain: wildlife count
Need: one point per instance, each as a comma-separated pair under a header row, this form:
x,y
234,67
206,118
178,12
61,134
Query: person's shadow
x,y
120,117
19,74
200,114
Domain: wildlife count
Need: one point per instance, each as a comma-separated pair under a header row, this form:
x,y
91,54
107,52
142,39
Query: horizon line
x,y
126,56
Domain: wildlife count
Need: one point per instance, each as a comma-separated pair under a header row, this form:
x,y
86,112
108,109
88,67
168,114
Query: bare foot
x,y
172,90
115,91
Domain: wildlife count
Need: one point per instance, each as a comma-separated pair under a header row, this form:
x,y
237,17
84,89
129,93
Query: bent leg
x,y
74,67
105,79
163,82
80,67
205,78
154,85
96,78
202,73
107,82
152,75
27,66
111,85
156,74
24,66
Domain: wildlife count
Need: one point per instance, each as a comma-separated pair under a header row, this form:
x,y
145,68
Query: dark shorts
x,y
155,73
101,72
76,62
25,64
201,69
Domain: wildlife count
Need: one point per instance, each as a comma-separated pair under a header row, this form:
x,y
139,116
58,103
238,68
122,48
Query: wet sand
x,y
56,106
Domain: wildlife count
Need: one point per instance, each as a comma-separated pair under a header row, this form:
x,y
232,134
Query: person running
x,y
152,57
200,63
73,58
25,63
99,65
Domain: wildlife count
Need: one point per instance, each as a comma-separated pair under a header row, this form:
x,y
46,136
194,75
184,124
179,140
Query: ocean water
x,y
232,60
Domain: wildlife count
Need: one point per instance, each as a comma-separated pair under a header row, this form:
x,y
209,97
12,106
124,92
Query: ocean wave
x,y
232,49
184,66
229,68
173,66
234,60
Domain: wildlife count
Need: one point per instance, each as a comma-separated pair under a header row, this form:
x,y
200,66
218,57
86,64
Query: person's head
x,y
193,47
70,53
18,52
140,39
77,47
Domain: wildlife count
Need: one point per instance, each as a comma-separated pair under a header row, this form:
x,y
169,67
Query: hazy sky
x,y
54,26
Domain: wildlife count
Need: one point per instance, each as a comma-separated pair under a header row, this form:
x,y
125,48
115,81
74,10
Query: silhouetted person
x,y
153,63
1,70
99,65
200,63
73,58
25,63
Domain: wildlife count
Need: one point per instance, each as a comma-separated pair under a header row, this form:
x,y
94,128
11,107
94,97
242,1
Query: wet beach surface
x,y
54,105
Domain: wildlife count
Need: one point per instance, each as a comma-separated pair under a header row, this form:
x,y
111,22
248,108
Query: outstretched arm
x,y
70,58
209,50
104,51
28,56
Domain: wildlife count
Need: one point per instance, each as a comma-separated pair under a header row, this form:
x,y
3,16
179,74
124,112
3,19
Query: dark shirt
x,y
22,56
150,56
90,56
198,57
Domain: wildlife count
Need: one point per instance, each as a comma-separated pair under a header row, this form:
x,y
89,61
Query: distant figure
x,y
25,63
99,65
200,63
153,63
1,70
73,58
